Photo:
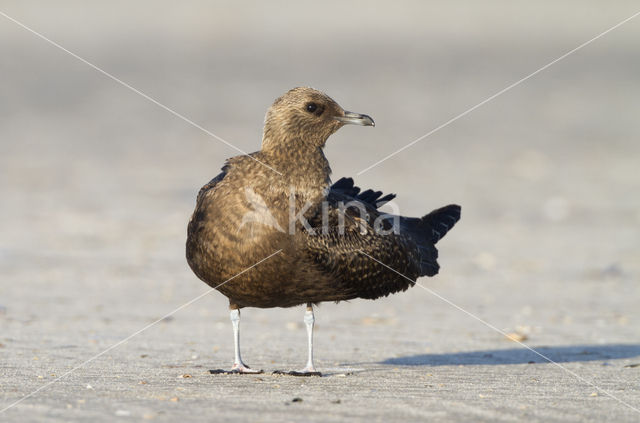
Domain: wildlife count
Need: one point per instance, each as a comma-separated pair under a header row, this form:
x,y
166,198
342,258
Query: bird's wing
x,y
423,231
346,190
197,216
212,183
347,247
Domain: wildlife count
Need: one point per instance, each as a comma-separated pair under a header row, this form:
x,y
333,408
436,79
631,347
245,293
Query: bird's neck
x,y
303,165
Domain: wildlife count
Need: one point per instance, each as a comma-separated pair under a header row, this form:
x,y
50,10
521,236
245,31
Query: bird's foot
x,y
241,368
304,373
244,369
307,371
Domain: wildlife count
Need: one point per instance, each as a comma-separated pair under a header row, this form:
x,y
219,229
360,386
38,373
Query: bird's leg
x,y
309,320
238,365
309,369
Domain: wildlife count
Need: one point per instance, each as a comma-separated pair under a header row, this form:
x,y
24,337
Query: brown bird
x,y
271,230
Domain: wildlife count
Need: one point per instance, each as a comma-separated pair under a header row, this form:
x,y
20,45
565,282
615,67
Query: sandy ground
x,y
97,185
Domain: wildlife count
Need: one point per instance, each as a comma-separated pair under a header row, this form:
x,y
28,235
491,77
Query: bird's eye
x,y
311,107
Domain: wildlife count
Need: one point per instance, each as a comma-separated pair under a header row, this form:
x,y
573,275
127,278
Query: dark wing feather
x,y
344,254
345,188
347,258
411,252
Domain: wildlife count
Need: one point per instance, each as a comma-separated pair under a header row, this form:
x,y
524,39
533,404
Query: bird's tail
x,y
427,231
440,221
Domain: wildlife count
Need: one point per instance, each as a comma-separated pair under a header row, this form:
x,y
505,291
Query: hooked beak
x,y
355,119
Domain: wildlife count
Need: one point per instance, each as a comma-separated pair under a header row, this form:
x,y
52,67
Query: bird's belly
x,y
252,271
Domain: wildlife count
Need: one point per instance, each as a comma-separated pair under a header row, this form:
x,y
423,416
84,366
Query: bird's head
x,y
306,116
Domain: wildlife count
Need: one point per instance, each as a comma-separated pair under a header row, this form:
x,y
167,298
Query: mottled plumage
x,y
243,215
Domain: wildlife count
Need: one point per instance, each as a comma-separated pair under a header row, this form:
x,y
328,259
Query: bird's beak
x,y
355,119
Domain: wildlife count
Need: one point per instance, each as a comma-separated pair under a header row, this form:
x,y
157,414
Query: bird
x,y
272,230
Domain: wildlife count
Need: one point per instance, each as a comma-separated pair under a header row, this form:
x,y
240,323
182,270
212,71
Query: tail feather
x,y
429,260
441,220
427,231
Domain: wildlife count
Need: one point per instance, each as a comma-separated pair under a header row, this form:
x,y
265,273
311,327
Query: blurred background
x,y
97,183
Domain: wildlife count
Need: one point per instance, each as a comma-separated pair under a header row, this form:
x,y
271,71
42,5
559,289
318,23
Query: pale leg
x,y
238,365
309,369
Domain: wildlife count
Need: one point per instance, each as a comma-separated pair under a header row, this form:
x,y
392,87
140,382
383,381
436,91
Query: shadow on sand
x,y
564,354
